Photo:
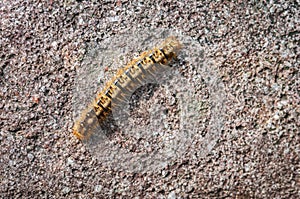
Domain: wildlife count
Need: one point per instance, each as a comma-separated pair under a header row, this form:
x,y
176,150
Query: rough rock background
x,y
256,48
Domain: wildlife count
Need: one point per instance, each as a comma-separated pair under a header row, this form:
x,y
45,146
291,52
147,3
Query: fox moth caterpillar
x,y
180,112
119,89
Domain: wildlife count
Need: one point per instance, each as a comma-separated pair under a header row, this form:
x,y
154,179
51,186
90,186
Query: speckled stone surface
x,y
256,50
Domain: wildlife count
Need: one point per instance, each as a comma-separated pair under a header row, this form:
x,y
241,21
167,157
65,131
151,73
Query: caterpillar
x,y
119,89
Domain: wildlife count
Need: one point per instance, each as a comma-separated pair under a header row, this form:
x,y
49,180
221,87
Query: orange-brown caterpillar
x,y
124,83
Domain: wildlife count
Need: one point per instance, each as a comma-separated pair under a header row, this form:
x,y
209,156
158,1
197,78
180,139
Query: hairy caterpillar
x,y
118,90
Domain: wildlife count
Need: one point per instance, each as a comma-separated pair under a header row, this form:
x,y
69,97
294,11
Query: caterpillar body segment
x,y
87,124
120,88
